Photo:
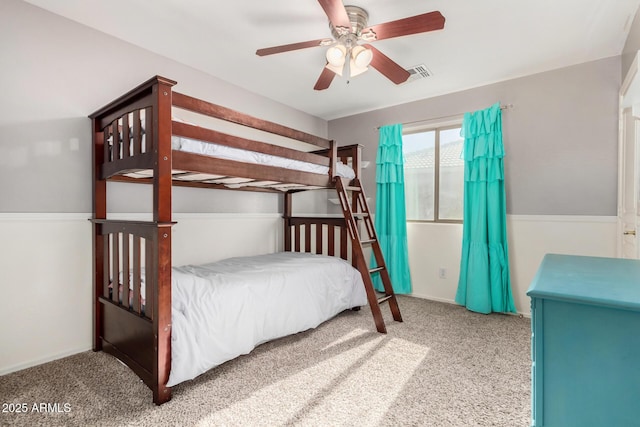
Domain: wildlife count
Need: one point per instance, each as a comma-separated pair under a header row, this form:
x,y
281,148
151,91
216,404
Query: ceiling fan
x,y
349,27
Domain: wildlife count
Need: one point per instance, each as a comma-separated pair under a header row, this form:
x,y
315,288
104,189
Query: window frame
x,y
437,127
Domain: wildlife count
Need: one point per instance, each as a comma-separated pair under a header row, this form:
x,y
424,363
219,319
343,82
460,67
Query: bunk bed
x,y
138,139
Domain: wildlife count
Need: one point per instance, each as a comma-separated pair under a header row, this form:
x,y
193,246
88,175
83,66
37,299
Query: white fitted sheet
x,y
225,309
231,153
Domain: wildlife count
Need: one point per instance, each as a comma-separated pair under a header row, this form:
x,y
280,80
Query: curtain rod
x,y
502,107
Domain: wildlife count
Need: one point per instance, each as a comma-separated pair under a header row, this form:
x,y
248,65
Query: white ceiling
x,y
483,42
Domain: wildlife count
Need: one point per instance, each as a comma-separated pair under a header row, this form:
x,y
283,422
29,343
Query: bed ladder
x,y
355,210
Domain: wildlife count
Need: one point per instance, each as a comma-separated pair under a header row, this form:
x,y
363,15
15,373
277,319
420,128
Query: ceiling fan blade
x,y
403,27
387,67
292,46
325,79
336,13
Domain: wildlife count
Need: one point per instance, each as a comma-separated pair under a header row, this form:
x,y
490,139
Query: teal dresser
x,y
585,342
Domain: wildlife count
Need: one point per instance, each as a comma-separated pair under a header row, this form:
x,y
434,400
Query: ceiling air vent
x,y
418,72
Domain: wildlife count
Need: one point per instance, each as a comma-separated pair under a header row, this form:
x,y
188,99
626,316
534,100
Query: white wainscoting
x,y
436,246
45,274
45,266
45,278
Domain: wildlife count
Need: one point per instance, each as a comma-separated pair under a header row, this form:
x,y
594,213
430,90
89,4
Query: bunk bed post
x,y
99,194
288,200
356,159
333,158
355,164
161,144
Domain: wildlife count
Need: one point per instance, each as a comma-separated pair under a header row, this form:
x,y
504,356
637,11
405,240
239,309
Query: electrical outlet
x,y
442,273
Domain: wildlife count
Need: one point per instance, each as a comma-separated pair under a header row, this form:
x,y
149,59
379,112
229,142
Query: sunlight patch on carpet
x,y
358,332
341,387
369,391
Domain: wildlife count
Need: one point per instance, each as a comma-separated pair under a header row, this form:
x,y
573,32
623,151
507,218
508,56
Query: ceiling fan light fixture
x,y
336,55
336,69
354,70
361,57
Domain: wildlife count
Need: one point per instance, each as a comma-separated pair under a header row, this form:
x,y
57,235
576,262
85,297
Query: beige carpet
x,y
444,366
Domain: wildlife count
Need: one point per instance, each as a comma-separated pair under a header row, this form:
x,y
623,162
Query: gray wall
x,y
560,136
55,72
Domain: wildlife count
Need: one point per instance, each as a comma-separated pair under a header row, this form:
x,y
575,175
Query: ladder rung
x,y
384,299
376,270
352,188
367,242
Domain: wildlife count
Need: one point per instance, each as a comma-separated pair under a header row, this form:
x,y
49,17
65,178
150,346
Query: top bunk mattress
x,y
179,143
246,156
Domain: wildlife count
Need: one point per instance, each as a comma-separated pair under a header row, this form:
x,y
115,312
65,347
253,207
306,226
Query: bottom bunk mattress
x,y
225,309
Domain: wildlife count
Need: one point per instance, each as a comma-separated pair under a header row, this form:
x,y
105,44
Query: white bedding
x,y
230,153
224,309
240,155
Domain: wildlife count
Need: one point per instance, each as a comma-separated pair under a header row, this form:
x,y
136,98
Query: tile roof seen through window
x,y
449,156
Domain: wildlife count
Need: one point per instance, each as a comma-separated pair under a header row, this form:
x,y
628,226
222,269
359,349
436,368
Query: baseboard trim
x,y
431,298
36,362
452,302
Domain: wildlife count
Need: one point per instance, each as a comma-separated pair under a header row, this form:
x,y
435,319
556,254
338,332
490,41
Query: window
x,y
434,174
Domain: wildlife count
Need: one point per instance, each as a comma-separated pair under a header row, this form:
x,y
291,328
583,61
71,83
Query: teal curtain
x,y
484,285
391,216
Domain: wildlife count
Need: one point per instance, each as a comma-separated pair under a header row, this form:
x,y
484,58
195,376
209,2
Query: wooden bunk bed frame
x,y
139,333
